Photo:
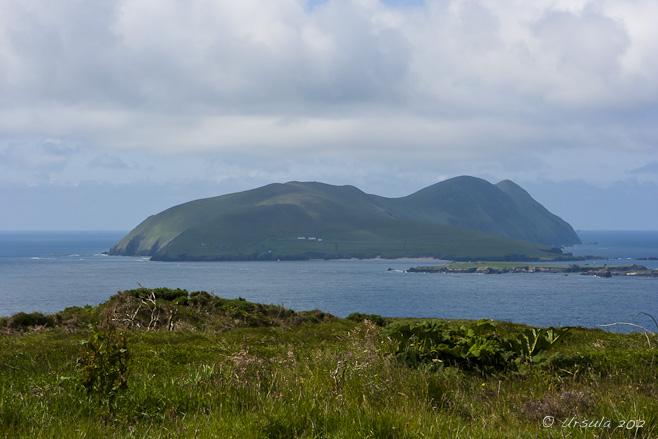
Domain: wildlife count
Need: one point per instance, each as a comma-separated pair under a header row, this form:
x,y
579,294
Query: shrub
x,y
160,293
76,317
23,320
103,361
374,318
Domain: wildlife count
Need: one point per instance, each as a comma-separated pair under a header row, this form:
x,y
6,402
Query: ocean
x,y
49,271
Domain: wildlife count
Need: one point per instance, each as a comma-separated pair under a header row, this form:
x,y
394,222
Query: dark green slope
x,y
454,219
270,232
475,204
466,202
540,225
154,233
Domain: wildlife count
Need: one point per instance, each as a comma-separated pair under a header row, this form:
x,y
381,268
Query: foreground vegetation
x,y
165,363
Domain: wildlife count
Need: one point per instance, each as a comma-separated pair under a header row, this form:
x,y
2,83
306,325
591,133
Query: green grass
x,y
271,233
333,379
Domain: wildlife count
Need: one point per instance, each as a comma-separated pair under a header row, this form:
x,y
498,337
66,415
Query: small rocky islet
x,y
484,267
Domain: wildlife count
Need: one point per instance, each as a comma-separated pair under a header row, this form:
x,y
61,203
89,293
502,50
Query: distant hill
x,y
461,218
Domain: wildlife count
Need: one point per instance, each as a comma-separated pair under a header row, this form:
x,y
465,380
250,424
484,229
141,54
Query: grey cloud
x,y
586,49
262,59
589,41
110,162
46,155
455,79
213,56
478,27
62,52
649,168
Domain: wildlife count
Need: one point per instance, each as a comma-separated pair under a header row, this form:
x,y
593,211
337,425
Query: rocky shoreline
x,y
495,268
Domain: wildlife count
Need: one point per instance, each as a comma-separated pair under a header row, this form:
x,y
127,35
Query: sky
x,y
112,110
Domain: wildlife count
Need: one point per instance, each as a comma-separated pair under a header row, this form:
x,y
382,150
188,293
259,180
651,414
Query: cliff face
x,y
460,217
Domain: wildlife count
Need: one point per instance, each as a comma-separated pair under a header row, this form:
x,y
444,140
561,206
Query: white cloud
x,y
456,57
360,90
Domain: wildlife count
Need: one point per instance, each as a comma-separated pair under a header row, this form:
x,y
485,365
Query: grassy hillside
x,y
540,224
157,231
233,369
471,203
463,218
272,232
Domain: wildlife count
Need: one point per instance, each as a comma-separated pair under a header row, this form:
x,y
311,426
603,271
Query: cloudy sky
x,y
111,110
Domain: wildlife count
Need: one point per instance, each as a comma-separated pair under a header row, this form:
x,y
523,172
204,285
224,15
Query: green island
x,y
463,218
499,267
163,363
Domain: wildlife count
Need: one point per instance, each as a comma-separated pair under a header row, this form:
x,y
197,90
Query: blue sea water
x,y
49,271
